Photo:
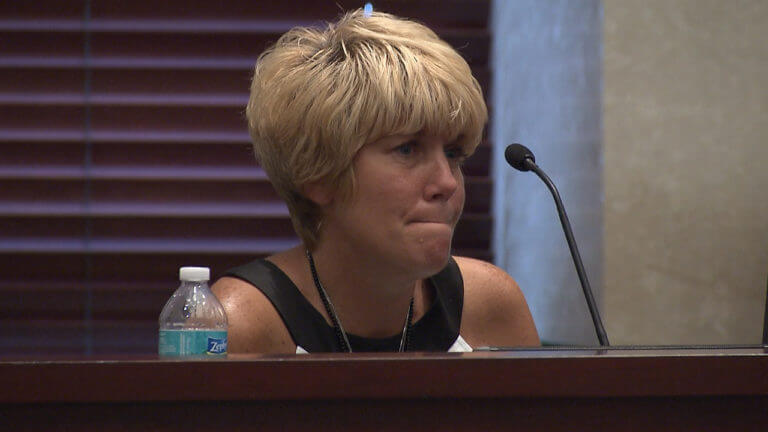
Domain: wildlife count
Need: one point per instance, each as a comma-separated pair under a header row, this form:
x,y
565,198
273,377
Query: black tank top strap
x,y
439,328
305,324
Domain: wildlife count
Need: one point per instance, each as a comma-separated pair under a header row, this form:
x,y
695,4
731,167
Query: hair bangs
x,y
436,95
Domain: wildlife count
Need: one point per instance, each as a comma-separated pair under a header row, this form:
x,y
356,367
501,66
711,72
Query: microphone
x,y
522,159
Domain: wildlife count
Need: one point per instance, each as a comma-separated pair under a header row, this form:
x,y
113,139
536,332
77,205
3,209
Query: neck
x,y
370,298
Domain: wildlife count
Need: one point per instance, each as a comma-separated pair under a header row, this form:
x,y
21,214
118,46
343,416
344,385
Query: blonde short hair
x,y
319,95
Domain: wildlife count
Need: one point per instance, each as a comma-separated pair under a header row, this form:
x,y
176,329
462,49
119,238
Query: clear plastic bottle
x,y
193,321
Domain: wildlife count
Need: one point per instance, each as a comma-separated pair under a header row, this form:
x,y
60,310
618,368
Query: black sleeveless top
x,y
437,330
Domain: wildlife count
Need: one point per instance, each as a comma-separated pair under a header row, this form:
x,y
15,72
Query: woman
x,y
362,129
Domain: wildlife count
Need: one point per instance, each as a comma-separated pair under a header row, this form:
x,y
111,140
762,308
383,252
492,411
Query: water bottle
x,y
193,321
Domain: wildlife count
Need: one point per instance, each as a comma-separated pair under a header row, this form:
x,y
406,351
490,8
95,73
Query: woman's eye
x,y
454,154
407,148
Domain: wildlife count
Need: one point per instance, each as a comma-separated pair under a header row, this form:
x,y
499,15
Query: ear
x,y
318,192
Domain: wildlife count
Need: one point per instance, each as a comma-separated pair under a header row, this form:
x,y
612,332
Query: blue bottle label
x,y
192,342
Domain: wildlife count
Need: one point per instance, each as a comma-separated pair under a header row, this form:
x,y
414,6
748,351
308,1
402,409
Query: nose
x,y
444,178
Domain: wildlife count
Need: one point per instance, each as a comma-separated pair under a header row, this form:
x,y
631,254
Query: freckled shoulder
x,y
254,324
495,312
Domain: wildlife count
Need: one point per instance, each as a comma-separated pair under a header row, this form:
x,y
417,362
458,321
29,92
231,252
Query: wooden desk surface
x,y
632,389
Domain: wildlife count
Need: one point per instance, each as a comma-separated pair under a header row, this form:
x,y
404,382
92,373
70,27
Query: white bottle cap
x,y
194,274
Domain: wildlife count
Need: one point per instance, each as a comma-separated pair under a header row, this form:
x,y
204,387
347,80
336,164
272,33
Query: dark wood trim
x,y
596,374
695,389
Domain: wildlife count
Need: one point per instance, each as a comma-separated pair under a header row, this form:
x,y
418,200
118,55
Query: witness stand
x,y
536,390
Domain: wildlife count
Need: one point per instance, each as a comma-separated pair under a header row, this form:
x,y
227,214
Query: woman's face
x,y
409,195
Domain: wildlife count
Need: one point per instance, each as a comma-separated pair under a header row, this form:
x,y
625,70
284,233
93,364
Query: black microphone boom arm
x,y
601,336
522,159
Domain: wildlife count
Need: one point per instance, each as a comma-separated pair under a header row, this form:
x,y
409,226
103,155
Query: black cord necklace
x,y
340,333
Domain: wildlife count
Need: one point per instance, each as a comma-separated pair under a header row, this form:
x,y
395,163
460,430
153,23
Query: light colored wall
x,y
685,113
546,60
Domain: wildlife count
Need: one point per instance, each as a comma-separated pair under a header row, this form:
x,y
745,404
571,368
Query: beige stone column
x,y
685,113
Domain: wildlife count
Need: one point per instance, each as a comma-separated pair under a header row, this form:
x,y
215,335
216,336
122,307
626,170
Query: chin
x,y
434,257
